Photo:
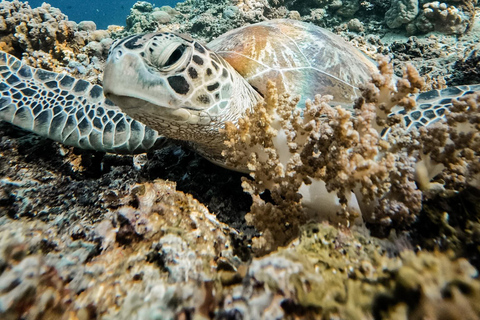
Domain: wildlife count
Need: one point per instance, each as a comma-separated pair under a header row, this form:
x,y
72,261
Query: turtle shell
x,y
301,58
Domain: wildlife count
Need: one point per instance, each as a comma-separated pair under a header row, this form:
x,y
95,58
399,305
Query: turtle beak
x,y
126,75
119,72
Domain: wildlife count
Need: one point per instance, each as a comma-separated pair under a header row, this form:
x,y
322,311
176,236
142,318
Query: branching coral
x,y
461,151
310,160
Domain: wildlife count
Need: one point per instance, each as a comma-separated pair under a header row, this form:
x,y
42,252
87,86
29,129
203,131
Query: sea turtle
x,y
170,85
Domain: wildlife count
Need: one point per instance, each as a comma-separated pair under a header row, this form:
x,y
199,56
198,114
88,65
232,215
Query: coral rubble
x,y
327,272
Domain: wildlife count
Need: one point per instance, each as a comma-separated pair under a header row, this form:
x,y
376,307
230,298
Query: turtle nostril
x,y
119,53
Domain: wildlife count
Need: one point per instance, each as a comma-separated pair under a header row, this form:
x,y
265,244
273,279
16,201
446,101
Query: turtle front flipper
x,y
68,110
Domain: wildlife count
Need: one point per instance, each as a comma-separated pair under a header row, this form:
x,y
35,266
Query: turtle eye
x,y
175,56
166,57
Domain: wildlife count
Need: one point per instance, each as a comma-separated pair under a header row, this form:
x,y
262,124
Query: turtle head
x,y
168,82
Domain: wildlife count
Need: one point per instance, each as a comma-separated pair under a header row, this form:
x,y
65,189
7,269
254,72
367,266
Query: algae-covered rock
x,y
330,273
401,12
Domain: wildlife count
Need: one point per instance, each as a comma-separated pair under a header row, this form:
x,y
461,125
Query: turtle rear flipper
x,y
68,110
432,105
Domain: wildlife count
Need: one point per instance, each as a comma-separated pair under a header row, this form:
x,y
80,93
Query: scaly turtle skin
x,y
179,88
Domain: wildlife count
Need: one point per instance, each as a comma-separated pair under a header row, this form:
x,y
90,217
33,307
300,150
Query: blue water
x,y
103,12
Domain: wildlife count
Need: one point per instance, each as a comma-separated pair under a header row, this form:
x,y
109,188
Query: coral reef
x,y
45,29
448,17
206,20
144,17
45,38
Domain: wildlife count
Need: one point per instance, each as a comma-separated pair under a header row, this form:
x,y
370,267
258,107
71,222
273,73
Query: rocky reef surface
x,y
87,235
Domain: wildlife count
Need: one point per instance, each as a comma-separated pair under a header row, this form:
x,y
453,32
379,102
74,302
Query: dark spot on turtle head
x,y
224,73
13,79
203,98
100,111
79,114
209,72
179,84
120,42
213,87
133,43
36,108
197,60
117,117
192,73
97,123
199,47
43,117
215,65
